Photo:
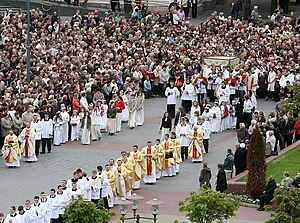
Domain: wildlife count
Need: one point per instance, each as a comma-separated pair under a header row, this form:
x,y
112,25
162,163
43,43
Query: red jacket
x,y
119,104
76,104
297,127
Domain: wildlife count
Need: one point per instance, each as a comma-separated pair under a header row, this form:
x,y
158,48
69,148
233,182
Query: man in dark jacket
x,y
240,156
296,181
268,194
205,176
228,164
221,179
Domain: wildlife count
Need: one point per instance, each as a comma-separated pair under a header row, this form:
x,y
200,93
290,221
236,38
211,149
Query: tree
x,y
82,210
289,209
256,165
292,105
207,206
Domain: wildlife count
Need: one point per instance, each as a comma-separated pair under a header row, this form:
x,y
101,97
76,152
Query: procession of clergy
x,y
117,180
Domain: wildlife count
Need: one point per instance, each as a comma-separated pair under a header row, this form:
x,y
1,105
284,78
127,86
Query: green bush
x,y
82,210
206,206
289,208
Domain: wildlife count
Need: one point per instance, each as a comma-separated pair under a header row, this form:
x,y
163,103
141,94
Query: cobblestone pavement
x,y
30,179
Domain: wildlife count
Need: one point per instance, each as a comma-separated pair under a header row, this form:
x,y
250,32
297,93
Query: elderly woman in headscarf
x,y
270,142
242,133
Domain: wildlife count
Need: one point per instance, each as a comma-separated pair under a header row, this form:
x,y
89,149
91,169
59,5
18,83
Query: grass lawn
x,y
290,161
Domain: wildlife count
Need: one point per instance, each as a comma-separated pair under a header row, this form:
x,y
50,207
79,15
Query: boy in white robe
x,y
65,126
75,126
104,185
95,185
182,132
216,118
38,210
63,198
31,215
47,209
75,190
22,216
37,126
53,206
83,185
12,216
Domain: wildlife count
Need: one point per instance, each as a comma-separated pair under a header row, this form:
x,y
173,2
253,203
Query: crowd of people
x,y
91,73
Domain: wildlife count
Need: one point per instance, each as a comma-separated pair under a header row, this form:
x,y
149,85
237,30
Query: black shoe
x,y
42,153
260,209
49,151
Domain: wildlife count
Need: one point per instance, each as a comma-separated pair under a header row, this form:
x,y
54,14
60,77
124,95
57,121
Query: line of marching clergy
x,y
117,180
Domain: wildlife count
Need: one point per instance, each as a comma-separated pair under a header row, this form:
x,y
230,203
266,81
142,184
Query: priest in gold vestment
x,y
169,161
112,191
177,151
138,162
160,158
196,147
11,151
150,157
28,144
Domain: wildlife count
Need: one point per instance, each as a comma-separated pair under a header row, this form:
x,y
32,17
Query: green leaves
x,y
292,105
82,210
289,210
206,206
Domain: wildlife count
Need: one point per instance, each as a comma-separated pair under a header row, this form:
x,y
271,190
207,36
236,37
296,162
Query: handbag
x,y
169,155
268,149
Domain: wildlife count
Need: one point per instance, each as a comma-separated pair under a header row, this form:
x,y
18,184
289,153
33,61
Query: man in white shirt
x,y
73,179
47,133
53,205
95,185
104,185
283,79
38,210
12,216
22,216
83,185
37,126
187,95
182,132
63,198
84,102
30,213
172,93
223,92
75,190
248,107
46,206
205,128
